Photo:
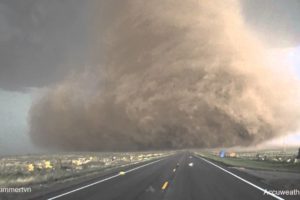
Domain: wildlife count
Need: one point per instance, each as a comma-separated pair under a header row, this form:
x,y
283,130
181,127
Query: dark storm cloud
x,y
277,21
40,41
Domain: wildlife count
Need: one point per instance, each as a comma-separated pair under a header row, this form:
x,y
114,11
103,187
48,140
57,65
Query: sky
x,y
13,116
42,41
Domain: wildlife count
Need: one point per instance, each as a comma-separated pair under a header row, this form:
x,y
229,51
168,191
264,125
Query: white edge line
x,y
244,180
103,180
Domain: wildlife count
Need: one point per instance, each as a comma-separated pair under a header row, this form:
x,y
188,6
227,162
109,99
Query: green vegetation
x,y
40,169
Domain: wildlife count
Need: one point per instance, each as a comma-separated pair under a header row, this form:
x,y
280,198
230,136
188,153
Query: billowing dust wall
x,y
167,74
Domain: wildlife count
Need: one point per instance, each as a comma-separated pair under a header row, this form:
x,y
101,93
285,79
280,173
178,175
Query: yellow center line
x,y
165,185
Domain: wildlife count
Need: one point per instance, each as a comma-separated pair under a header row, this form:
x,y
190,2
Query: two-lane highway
x,y
178,177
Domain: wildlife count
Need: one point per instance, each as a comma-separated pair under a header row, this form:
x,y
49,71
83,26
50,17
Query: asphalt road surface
x,y
178,177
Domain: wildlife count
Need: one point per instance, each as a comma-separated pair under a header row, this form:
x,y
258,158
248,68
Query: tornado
x,y
167,74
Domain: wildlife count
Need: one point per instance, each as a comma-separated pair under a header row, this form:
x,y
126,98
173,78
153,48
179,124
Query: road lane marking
x,y
165,185
174,170
103,180
240,178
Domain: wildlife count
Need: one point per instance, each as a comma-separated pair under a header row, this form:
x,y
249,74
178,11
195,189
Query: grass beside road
x,y
252,163
18,171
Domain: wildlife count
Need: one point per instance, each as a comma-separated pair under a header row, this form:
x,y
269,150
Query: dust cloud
x,y
168,74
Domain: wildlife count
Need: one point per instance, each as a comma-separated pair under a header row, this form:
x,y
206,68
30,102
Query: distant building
x,y
298,156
